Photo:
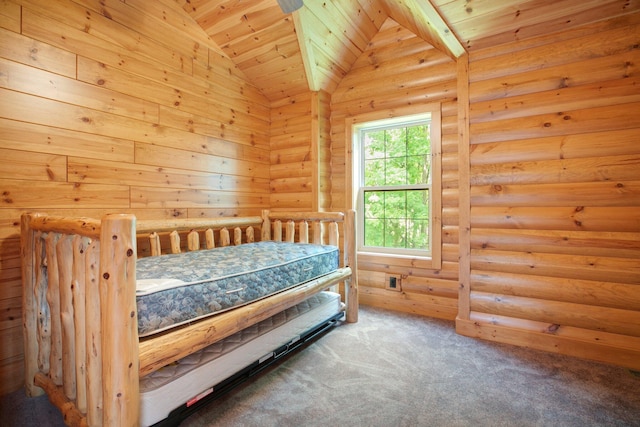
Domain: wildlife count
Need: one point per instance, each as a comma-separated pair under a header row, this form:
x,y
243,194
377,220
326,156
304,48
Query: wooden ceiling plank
x,y
170,11
459,10
375,10
319,42
270,63
316,26
327,62
267,54
360,22
197,8
346,23
525,14
239,50
215,23
248,24
215,9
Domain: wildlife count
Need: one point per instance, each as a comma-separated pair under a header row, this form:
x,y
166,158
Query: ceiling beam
x,y
423,18
306,50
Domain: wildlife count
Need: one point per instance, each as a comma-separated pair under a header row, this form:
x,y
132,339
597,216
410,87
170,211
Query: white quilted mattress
x,y
166,389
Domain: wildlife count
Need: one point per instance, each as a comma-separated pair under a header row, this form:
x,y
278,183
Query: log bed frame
x,y
79,305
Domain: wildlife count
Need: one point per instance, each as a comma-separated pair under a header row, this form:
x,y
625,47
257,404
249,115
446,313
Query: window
x,y
395,187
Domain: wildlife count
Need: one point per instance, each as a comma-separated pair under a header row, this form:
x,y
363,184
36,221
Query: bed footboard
x,y
79,301
75,271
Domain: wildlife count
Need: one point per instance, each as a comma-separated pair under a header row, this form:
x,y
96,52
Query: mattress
x,y
175,289
195,375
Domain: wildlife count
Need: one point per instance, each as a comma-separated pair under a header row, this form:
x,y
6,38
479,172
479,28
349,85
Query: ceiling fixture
x,y
289,6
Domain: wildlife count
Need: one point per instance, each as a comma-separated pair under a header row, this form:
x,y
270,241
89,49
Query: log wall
x,y
396,71
555,193
111,106
300,156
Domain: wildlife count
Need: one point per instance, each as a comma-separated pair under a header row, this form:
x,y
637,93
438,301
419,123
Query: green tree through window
x,y
395,185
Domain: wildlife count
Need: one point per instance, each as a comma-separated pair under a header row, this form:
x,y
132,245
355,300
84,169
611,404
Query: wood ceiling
x,y
314,48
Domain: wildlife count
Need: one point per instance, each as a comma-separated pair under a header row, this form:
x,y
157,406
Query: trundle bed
x,y
132,322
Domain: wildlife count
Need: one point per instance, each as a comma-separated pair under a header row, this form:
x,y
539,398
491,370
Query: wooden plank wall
x,y
555,193
111,106
400,69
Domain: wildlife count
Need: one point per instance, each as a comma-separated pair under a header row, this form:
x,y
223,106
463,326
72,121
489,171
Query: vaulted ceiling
x,y
314,48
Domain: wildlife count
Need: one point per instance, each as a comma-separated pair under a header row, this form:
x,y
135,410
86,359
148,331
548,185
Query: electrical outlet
x,y
393,282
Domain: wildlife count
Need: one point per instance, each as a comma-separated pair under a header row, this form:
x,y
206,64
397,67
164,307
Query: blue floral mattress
x,y
176,289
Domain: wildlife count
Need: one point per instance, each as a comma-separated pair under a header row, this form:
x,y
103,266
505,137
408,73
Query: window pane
x,y
418,204
396,145
395,204
374,147
374,172
374,232
396,219
418,234
395,171
395,233
374,204
405,151
417,169
419,141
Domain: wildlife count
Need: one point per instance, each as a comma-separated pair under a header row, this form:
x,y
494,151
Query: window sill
x,y
396,260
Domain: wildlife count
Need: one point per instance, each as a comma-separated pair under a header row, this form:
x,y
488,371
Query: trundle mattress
x,y
178,288
196,374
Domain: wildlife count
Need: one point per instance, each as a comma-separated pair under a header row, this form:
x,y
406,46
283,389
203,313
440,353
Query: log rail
x,y
80,322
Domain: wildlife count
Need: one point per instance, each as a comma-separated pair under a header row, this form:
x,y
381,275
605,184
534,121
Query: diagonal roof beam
x,y
306,50
422,16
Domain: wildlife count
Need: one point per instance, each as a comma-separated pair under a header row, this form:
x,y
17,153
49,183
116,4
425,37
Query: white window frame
x,y
432,257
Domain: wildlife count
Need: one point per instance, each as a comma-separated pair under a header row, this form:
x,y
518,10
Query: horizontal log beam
x,y
149,226
611,320
594,345
579,291
87,227
72,416
308,216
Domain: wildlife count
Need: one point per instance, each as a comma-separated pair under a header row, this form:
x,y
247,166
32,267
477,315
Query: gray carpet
x,y
394,369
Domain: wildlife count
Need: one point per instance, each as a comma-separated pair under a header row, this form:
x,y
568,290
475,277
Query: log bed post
x,y
29,314
350,247
119,321
351,259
